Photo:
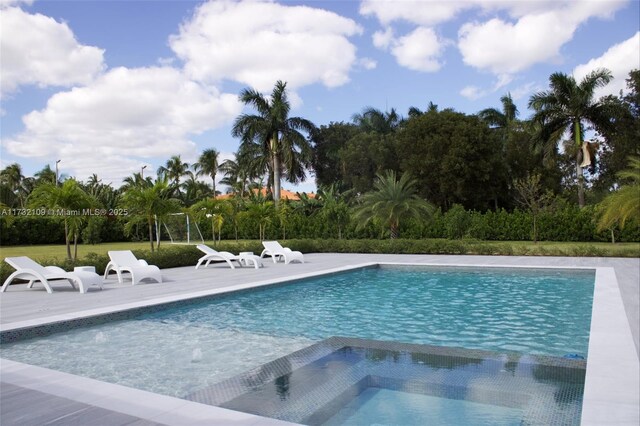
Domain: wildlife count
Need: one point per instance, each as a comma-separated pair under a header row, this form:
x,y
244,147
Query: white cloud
x,y
420,50
38,50
259,42
420,12
367,63
382,39
619,59
123,117
473,92
8,3
504,47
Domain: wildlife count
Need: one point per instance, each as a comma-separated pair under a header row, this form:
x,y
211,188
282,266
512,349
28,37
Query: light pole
x,y
142,171
57,171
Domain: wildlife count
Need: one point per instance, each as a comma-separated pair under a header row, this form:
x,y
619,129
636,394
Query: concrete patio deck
x,y
616,314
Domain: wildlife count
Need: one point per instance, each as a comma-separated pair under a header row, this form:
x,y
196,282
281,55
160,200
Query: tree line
x,y
379,169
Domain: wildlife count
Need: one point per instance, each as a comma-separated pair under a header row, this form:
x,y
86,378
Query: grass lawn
x,y
544,247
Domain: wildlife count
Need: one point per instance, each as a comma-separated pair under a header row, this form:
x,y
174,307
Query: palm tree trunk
x,y
75,246
151,234
394,231
213,178
581,202
66,238
577,131
276,170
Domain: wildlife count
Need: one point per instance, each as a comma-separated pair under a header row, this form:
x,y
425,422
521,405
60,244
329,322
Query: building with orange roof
x,y
284,194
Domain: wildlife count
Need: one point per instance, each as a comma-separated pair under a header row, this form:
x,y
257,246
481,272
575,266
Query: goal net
x,y
182,229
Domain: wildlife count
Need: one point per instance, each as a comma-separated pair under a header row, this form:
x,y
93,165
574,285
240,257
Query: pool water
x,y
376,406
177,350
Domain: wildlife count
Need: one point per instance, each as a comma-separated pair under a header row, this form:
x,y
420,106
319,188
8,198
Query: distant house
x,y
284,195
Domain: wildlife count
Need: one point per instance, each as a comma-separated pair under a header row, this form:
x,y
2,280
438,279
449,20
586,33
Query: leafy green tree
x,y
621,142
328,140
277,134
623,205
147,204
569,106
68,200
455,158
392,201
364,156
207,165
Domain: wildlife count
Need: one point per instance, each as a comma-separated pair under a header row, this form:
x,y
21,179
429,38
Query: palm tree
x,y
568,106
624,204
46,175
416,112
501,119
194,190
12,177
207,165
134,180
277,135
68,200
374,120
215,210
391,202
149,204
174,169
263,214
335,209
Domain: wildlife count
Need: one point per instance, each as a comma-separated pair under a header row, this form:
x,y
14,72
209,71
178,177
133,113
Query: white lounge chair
x,y
277,252
28,269
210,255
126,261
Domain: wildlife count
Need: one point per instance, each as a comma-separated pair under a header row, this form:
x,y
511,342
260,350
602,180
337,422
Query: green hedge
x,y
565,222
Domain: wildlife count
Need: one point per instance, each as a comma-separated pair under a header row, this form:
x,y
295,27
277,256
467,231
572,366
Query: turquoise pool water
x,y
529,311
179,349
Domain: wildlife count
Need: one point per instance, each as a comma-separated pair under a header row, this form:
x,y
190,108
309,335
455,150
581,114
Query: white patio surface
x,y
611,389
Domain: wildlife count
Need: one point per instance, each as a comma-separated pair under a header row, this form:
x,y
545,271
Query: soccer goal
x,y
182,229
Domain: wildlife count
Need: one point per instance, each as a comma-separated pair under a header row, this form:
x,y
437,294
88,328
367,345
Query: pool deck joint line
x,y
612,384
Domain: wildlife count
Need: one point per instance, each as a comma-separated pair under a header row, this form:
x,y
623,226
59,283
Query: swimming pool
x,y
188,347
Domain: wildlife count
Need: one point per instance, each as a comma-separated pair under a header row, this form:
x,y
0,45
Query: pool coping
x,y
612,383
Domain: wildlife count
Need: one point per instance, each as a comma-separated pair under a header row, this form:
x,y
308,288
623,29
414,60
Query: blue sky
x,y
110,86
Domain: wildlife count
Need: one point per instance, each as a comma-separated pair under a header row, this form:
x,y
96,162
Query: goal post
x,y
182,229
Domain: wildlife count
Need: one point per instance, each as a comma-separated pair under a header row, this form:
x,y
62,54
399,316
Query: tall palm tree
x,y
374,120
207,165
174,169
278,135
624,204
68,199
392,201
569,106
194,190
